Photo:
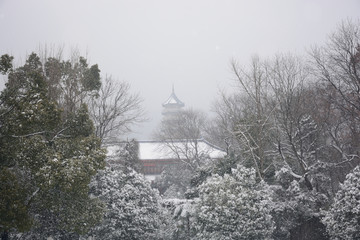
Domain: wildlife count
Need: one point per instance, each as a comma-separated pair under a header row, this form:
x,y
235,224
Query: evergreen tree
x,y
234,207
71,82
296,209
130,155
343,218
47,160
5,63
133,208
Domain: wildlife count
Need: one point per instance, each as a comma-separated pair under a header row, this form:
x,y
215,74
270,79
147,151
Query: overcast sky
x,y
153,44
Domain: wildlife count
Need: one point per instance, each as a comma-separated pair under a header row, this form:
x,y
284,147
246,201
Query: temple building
x,y
172,106
156,155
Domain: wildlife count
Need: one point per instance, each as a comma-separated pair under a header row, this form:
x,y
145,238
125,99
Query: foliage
x,y
5,63
133,208
129,154
71,82
47,157
181,219
218,166
234,207
174,181
342,219
13,209
294,206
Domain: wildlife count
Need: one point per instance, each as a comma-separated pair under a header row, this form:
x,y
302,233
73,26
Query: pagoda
x,y
172,106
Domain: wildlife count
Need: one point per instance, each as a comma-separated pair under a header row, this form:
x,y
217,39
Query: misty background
x,y
154,45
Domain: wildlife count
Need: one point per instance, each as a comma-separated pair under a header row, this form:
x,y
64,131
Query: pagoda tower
x,y
172,106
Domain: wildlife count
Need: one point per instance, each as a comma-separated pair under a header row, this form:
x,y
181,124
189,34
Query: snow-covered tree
x,y
133,207
277,131
336,66
234,207
180,217
296,209
253,127
174,181
129,155
343,218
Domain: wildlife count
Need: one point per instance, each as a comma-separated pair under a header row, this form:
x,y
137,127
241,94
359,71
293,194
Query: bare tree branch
x,y
115,110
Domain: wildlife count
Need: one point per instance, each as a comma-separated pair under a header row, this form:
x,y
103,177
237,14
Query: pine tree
x,y
343,218
48,160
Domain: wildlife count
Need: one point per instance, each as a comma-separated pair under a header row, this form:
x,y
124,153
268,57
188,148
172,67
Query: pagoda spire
x,y
173,100
172,105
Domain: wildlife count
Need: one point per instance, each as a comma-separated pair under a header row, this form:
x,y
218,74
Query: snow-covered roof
x,y
153,150
157,150
173,100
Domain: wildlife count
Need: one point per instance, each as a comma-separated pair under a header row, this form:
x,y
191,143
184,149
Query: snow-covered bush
x,y
174,181
343,218
234,207
295,207
133,208
180,218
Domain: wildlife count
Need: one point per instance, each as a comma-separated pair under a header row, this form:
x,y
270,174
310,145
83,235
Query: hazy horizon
x,y
154,45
